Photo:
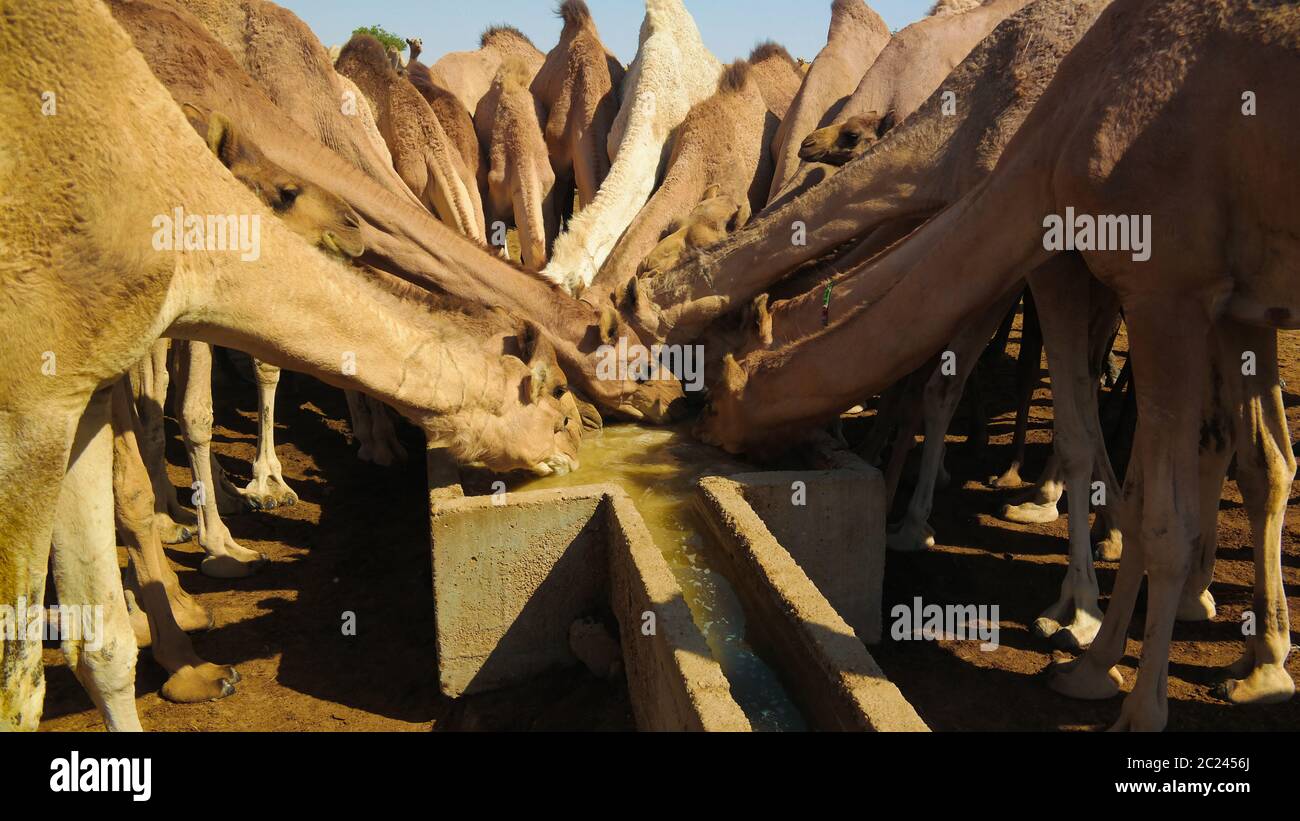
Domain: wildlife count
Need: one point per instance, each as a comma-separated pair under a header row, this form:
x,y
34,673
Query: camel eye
x,y
560,391
288,195
850,138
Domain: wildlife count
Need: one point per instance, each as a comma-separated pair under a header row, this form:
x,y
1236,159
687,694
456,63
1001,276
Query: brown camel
x,y
520,187
1145,68
448,108
423,154
469,74
910,68
856,37
724,142
716,216
578,85
923,165
399,237
65,225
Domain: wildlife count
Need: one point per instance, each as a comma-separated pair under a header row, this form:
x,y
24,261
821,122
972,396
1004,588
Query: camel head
x,y
709,222
722,422
837,144
537,425
310,211
416,45
658,400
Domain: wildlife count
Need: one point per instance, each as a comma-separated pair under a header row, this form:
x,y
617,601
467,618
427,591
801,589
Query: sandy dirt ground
x,y
358,543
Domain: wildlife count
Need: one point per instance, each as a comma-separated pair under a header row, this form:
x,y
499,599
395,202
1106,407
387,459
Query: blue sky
x,y
730,27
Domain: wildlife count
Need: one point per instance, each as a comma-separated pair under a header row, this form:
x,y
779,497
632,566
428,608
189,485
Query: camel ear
x,y
534,346
197,117
591,420
712,191
733,376
608,326
887,123
535,383
742,215
762,318
631,296
221,138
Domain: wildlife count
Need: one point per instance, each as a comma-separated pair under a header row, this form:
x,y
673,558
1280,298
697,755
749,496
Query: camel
x,y
671,72
400,236
857,35
1089,144
908,70
423,154
469,74
716,216
723,142
578,84
450,112
520,182
63,228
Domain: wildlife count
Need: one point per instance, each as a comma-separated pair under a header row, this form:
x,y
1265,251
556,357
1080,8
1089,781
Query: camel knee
x,y
268,376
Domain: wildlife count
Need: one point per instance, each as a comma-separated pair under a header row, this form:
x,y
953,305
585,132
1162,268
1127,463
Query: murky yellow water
x,y
658,468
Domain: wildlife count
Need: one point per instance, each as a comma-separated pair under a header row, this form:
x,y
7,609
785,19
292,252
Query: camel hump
x,y
365,49
574,13
515,69
953,6
734,76
769,50
500,33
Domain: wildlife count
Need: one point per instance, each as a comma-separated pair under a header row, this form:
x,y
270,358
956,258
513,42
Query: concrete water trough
x,y
513,571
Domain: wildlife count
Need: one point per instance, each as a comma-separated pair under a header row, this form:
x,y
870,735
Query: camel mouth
x,y
559,464
333,244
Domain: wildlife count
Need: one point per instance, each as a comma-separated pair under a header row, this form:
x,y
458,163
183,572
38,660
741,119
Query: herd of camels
x,y
829,232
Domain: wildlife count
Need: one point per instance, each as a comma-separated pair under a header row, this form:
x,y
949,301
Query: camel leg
x,y
267,490
359,412
149,380
1095,674
1061,286
35,449
226,558
97,641
192,679
1266,467
942,395
1169,347
1028,367
887,410
386,448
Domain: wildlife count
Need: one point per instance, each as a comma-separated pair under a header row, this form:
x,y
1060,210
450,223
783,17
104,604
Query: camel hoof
x,y
1045,628
1199,608
1010,479
1108,550
1077,678
1029,513
229,567
1267,684
205,682
910,538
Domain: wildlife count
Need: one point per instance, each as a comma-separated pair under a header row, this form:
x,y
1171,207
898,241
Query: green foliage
x,y
384,36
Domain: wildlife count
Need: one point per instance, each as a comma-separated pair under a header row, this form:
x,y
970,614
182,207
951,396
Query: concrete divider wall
x,y
511,573
673,680
826,668
836,534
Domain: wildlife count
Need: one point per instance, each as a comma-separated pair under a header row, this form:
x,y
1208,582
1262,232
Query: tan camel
x,y
447,107
1139,59
672,71
423,154
469,74
282,54
399,235
64,228
520,187
578,84
716,216
910,68
856,37
920,168
724,142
